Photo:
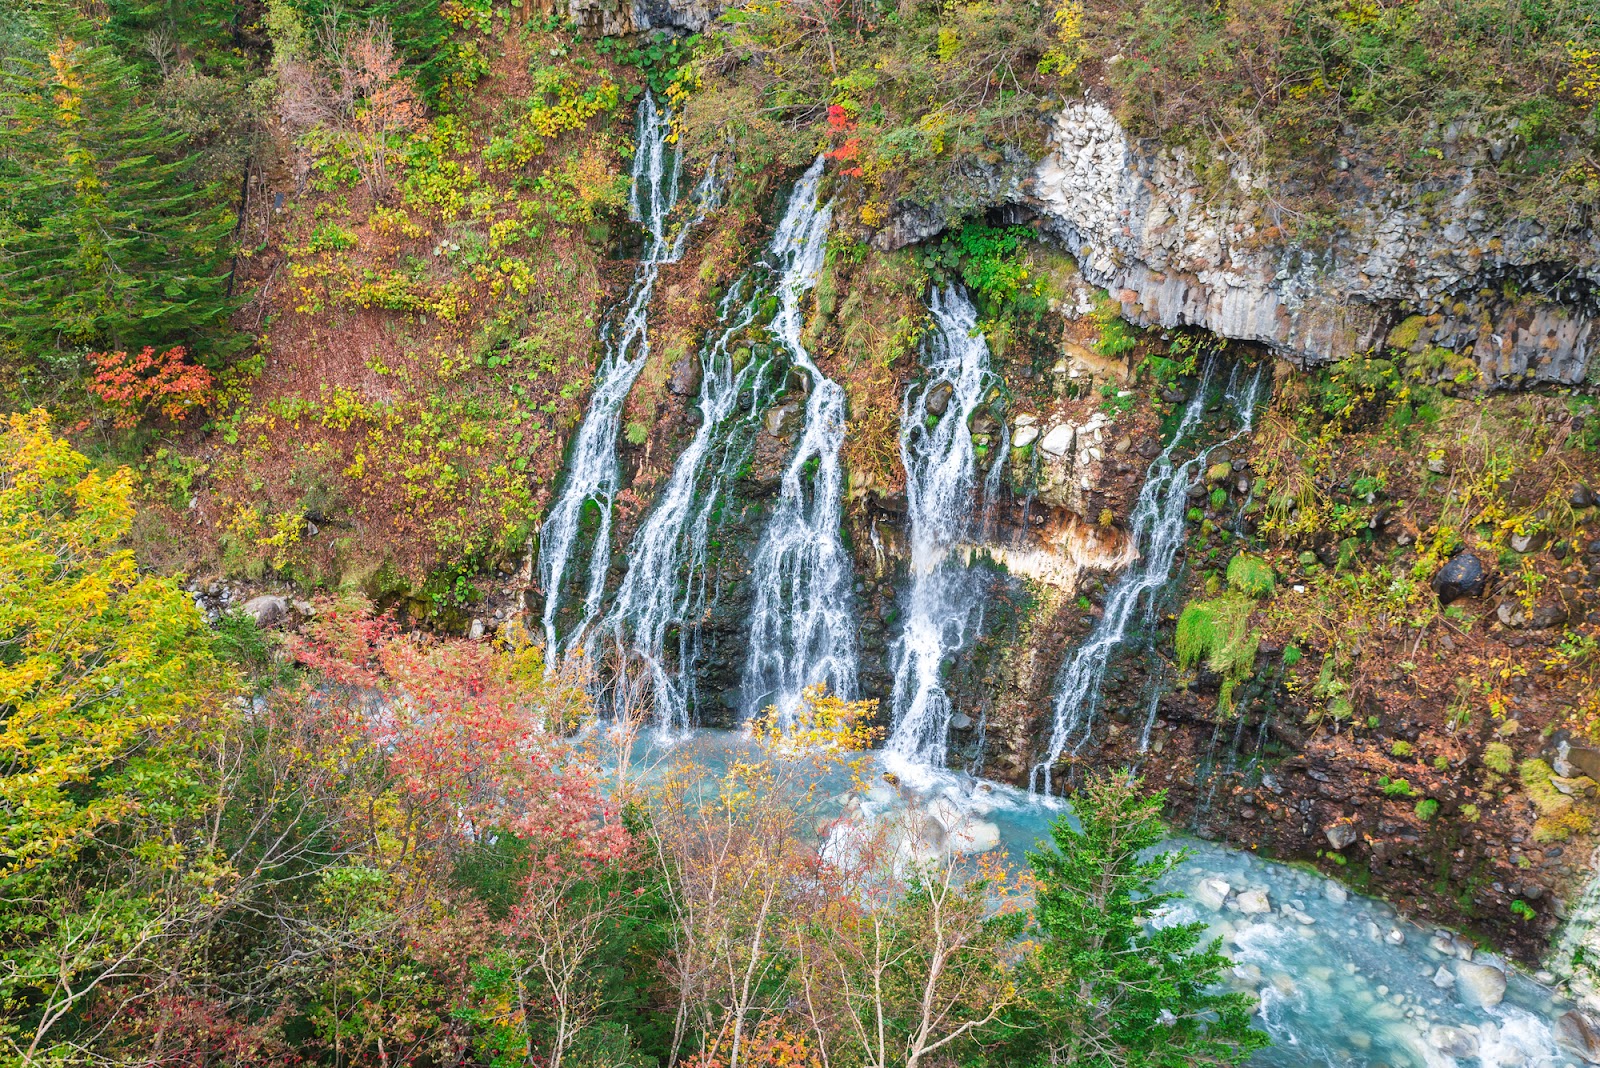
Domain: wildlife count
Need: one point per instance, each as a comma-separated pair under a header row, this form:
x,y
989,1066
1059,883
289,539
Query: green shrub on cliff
x,y
1251,576
1216,631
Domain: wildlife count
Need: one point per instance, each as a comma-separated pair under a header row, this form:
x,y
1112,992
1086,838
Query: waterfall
x,y
802,625
941,465
593,472
665,586
1157,529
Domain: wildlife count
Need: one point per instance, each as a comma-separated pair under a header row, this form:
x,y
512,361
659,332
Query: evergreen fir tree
x,y
1103,987
103,243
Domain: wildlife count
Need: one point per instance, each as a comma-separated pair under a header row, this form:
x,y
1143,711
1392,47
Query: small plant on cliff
x,y
1426,809
1251,575
1558,818
1117,338
1498,758
1217,631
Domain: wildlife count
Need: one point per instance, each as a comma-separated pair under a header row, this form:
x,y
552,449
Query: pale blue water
x,y
1338,990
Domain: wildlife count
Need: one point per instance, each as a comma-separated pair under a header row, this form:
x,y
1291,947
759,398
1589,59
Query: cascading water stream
x,y
665,586
593,471
1157,528
941,467
802,624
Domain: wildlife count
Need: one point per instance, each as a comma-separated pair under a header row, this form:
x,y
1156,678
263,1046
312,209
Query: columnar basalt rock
x,y
1514,297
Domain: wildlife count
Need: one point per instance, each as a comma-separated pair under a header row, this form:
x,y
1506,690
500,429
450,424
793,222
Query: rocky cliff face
x,y
1517,300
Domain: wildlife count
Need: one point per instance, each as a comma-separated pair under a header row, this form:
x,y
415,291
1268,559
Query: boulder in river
x,y
1254,902
1212,893
1576,1033
1453,1041
1482,985
939,398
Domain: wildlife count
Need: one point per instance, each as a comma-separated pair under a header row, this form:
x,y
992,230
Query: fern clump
x,y
1217,632
1251,576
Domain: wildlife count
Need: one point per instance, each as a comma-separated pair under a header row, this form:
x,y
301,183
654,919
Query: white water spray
x,y
802,625
593,472
1157,528
941,468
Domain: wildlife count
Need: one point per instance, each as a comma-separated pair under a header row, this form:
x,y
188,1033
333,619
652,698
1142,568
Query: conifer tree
x,y
103,243
1104,986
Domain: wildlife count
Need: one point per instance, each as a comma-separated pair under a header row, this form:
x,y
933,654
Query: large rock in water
x,y
1482,985
1212,893
1453,1041
1463,576
1254,902
1577,1034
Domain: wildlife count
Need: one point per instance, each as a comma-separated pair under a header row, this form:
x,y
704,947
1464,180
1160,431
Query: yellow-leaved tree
x,y
98,662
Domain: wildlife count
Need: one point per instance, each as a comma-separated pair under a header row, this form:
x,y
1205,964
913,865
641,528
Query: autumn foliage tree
x,y
109,693
102,662
350,88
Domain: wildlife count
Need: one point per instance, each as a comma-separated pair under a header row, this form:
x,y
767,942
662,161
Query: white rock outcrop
x,y
1143,226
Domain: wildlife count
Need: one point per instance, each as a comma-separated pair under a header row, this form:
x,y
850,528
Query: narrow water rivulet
x,y
593,473
1157,529
665,587
940,461
802,622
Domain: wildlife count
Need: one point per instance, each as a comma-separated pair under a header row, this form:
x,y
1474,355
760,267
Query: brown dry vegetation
x,y
423,354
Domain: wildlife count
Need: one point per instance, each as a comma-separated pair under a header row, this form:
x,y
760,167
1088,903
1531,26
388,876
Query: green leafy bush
x,y
1217,631
1251,576
1117,337
1427,808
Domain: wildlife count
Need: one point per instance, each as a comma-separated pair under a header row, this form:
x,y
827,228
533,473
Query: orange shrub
x,y
132,385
